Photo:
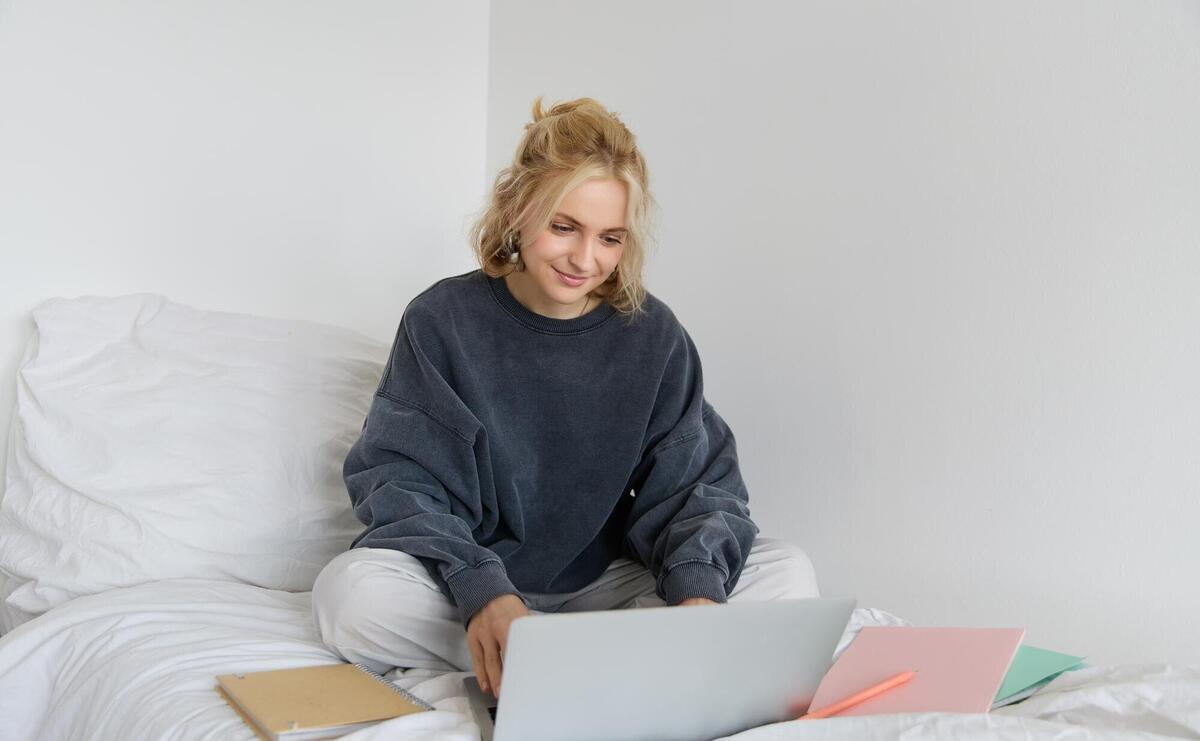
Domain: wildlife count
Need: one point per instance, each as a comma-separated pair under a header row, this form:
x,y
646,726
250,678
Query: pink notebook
x,y
959,670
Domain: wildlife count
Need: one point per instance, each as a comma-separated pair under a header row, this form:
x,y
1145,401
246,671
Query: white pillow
x,y
152,440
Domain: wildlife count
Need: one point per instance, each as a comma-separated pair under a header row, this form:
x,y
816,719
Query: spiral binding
x,y
396,688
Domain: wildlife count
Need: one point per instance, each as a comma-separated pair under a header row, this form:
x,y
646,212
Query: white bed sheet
x,y
140,662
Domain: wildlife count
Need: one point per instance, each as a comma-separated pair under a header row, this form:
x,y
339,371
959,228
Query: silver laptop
x,y
664,673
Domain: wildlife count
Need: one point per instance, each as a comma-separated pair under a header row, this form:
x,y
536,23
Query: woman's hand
x,y
487,637
696,601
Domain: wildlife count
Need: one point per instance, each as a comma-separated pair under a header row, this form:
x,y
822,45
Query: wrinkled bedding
x,y
139,662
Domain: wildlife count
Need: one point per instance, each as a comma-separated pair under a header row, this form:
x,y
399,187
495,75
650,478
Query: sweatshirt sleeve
x,y
689,522
412,477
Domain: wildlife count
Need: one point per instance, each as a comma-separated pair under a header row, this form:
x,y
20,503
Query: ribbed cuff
x,y
476,586
695,579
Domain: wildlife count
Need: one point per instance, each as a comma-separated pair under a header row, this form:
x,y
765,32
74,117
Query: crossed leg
x,y
380,607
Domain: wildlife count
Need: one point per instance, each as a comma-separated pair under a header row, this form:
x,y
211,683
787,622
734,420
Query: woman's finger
x,y
491,660
477,663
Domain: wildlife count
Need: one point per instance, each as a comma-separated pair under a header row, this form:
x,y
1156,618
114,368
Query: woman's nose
x,y
583,254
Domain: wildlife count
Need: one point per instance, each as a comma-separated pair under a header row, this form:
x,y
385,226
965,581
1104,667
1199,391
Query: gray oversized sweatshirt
x,y
512,452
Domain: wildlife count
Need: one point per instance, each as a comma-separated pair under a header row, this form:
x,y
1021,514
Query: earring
x,y
511,241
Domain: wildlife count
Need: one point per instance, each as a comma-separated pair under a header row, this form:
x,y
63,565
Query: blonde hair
x,y
574,141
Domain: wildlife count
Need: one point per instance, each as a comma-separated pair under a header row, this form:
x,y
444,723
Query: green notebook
x,y
1030,670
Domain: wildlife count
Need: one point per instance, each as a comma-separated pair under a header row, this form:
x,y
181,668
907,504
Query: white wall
x,y
942,262
313,160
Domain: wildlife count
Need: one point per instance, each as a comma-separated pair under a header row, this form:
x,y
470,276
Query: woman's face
x,y
576,252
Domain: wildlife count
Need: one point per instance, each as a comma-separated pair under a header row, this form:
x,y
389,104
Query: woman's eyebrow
x,y
577,222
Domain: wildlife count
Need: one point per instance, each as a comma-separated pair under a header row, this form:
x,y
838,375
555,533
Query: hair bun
x,y
564,107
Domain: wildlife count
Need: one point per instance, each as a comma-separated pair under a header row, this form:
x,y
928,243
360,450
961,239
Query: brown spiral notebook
x,y
315,702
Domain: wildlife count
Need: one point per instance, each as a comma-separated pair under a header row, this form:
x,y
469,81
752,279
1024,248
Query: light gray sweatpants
x,y
380,607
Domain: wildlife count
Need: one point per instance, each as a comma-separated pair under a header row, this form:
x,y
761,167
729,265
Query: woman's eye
x,y
567,229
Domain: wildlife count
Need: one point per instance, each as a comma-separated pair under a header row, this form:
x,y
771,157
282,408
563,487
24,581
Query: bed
x,y
173,488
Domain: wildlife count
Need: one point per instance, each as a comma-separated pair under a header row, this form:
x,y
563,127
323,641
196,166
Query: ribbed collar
x,y
549,325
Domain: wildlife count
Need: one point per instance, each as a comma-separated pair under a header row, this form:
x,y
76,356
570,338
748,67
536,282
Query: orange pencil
x,y
858,697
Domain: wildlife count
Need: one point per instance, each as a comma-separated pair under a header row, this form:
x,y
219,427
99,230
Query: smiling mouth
x,y
573,277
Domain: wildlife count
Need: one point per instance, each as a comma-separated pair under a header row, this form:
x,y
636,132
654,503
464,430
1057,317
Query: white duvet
x,y
139,663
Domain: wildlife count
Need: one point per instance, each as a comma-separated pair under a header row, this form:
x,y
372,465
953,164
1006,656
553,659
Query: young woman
x,y
539,441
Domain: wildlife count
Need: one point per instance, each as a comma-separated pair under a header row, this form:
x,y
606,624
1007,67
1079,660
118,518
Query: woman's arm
x,y
413,474
394,474
690,519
